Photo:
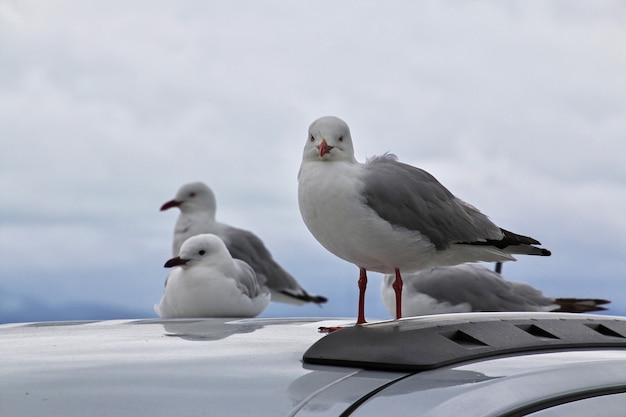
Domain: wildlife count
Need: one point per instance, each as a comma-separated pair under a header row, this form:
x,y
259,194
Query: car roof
x,y
256,367
156,367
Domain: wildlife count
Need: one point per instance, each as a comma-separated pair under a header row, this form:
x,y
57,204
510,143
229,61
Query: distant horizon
x,y
39,311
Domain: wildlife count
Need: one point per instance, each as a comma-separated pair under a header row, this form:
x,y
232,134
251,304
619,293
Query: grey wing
x,y
533,297
247,279
482,288
412,198
246,246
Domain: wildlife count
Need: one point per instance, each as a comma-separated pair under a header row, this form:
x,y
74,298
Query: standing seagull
x,y
207,282
390,217
197,215
472,287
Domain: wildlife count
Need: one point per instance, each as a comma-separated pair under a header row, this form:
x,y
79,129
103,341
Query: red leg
x,y
362,285
397,287
361,316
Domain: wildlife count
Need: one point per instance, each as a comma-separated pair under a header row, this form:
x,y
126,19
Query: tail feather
x,y
580,305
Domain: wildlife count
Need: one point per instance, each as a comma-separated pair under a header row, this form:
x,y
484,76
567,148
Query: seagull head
x,y
200,249
195,196
329,140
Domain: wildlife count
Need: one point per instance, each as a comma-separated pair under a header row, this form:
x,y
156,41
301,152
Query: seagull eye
x,y
192,194
340,139
312,138
201,252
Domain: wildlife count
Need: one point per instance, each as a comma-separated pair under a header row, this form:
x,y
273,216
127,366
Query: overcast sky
x,y
107,107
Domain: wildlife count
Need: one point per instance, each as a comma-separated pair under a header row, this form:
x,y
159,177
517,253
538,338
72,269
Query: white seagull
x,y
390,217
472,287
196,202
207,282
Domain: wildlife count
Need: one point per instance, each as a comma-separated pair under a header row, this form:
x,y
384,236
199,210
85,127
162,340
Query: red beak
x,y
170,204
175,261
324,148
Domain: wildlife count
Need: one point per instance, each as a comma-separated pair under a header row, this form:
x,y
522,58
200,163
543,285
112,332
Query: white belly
x,y
209,296
336,214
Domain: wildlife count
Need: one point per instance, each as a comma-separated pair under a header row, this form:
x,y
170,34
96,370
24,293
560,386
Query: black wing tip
x,y
580,305
511,239
529,249
534,250
318,299
306,297
517,238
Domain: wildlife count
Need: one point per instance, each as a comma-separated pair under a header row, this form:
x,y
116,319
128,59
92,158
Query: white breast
x,y
336,214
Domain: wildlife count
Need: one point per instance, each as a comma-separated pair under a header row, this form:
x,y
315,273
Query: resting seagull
x,y
390,217
196,202
207,282
472,287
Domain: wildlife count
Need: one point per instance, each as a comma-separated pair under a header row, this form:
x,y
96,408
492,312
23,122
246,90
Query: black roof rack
x,y
429,342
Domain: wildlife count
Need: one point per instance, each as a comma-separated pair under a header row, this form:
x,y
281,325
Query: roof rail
x,y
429,342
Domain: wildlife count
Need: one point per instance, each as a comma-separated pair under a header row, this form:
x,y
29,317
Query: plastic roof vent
x,y
429,342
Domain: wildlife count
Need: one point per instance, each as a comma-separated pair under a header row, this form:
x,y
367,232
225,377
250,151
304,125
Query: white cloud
x,y
107,107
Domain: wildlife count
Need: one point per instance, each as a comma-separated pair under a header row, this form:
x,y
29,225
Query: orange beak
x,y
324,148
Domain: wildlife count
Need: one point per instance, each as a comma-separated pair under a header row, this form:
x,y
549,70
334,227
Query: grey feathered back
x,y
424,204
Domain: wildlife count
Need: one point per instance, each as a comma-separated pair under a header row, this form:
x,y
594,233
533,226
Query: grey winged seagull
x,y
205,281
390,217
198,207
473,287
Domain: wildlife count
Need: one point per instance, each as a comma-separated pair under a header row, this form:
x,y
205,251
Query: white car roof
x,y
255,367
